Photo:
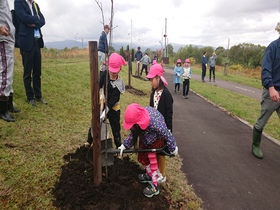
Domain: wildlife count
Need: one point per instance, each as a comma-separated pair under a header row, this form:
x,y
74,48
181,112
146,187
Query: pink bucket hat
x,y
135,114
115,62
154,71
157,70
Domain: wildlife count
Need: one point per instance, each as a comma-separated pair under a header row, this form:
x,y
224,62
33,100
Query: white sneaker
x,y
161,179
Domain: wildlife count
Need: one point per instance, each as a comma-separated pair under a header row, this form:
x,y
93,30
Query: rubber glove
x,y
103,114
178,75
175,152
122,148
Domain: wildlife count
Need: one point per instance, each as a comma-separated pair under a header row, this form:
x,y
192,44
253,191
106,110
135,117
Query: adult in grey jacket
x,y
7,42
212,64
145,60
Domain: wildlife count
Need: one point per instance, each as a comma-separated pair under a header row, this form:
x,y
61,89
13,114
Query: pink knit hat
x,y
116,61
135,114
179,61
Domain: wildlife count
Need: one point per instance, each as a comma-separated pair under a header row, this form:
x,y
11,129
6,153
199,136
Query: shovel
x,y
107,158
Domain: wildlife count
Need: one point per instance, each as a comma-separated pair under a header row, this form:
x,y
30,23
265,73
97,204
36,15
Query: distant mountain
x,y
64,44
117,46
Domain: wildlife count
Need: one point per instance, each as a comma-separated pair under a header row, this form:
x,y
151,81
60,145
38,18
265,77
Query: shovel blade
x,y
107,159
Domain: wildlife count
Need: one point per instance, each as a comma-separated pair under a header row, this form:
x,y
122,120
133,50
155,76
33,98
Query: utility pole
x,y
227,61
165,36
131,35
228,47
76,39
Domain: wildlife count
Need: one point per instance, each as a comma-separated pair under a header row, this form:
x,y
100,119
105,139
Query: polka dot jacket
x,y
156,130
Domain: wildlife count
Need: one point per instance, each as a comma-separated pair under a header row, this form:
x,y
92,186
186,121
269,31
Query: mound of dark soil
x,y
121,190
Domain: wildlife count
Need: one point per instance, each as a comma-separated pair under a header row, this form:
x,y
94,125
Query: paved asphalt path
x,y
216,153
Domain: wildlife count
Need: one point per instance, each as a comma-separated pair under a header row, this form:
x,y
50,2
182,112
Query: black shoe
x,y
31,102
7,117
14,110
41,100
10,104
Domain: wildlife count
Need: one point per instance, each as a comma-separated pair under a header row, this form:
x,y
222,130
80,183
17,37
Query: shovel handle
x,y
157,150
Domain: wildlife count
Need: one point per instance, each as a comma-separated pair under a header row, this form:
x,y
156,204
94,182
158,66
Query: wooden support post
x,y
95,111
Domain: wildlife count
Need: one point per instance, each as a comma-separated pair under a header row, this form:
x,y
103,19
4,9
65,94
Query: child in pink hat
x,y
187,75
114,87
162,100
147,124
177,76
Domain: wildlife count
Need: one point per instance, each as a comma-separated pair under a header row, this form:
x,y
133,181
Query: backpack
x,y
14,19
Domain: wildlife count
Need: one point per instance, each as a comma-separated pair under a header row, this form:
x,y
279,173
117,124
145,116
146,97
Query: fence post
x,y
226,68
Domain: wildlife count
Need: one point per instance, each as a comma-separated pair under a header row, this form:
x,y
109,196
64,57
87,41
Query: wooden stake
x,y
95,112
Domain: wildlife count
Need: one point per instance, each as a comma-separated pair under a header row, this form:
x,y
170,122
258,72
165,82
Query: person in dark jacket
x,y
161,99
203,65
271,92
30,40
103,48
137,57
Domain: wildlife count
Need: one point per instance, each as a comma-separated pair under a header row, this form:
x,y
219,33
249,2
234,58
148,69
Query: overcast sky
x,y
198,22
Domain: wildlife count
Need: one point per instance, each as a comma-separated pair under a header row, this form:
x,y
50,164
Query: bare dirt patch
x,y
121,190
134,91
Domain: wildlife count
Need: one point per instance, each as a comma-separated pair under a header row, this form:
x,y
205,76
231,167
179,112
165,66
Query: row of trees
x,y
246,54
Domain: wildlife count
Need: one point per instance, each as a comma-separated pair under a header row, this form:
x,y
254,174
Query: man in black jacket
x,y
103,48
30,40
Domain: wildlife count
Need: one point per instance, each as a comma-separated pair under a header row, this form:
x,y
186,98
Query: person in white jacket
x,y
7,43
145,60
187,74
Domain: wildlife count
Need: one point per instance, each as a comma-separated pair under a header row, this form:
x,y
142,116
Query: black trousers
x,y
32,64
186,87
203,72
114,119
144,66
212,70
